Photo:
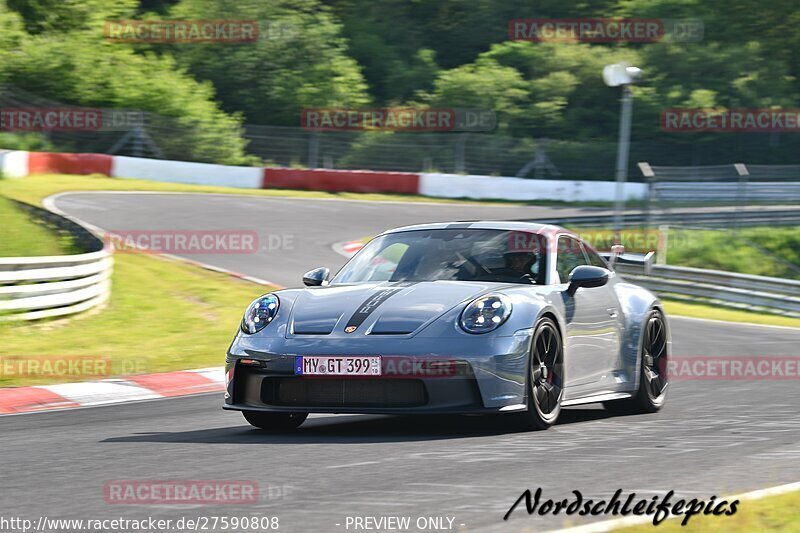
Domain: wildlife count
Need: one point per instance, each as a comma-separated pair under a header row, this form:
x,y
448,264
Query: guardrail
x,y
728,289
33,288
719,218
739,183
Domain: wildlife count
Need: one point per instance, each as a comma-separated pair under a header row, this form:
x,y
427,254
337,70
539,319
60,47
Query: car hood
x,y
378,309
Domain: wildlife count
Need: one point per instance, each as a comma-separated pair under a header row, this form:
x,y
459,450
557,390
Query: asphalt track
x,y
713,437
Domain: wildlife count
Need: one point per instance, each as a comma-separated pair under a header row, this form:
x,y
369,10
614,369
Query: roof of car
x,y
507,225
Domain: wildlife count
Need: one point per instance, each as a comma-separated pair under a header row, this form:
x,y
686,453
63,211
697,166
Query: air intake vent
x,y
395,326
314,327
343,392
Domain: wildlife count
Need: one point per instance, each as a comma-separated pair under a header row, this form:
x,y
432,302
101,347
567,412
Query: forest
x,y
313,54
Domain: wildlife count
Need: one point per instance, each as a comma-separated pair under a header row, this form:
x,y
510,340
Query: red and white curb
x,y
348,249
111,391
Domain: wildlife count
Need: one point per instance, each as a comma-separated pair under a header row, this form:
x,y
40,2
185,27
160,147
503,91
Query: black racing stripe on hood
x,y
372,303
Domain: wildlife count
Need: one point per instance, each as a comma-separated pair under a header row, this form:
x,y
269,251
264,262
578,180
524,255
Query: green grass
x,y
23,235
33,188
776,513
763,251
162,315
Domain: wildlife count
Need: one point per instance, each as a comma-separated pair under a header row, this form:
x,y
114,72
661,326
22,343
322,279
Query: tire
x,y
545,383
653,358
274,421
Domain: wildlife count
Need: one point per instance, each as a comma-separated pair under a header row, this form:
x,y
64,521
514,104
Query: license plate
x,y
337,365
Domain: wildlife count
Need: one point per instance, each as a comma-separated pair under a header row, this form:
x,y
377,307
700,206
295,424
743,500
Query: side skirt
x,y
597,398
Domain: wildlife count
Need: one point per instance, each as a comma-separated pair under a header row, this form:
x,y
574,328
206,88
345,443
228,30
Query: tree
x,y
11,30
69,15
484,84
76,68
299,61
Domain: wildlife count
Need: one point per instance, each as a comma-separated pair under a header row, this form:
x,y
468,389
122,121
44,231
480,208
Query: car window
x,y
383,265
593,257
459,254
569,255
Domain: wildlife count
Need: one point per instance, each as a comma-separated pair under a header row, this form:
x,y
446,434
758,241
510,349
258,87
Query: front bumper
x,y
472,383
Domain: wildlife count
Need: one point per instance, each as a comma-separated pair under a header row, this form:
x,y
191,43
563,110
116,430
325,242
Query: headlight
x,y
485,313
260,313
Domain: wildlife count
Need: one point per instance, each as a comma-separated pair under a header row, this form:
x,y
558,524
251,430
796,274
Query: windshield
x,y
449,254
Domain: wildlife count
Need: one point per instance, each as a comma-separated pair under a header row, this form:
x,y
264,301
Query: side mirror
x,y
316,277
587,276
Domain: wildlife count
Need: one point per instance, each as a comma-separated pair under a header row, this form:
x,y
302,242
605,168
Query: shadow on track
x,y
360,429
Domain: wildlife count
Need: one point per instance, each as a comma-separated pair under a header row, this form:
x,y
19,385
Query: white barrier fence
x,y
33,288
13,163
187,172
44,287
485,187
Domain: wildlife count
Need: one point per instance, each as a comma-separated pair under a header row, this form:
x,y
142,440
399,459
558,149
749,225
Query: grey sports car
x,y
511,318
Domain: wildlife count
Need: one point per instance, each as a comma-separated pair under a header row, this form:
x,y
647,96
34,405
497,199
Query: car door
x,y
592,343
614,308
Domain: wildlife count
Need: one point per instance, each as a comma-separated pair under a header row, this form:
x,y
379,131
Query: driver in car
x,y
520,267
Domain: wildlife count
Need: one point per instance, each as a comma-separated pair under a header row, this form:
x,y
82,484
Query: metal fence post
x,y
741,191
663,244
461,143
313,150
622,156
138,142
539,160
649,175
